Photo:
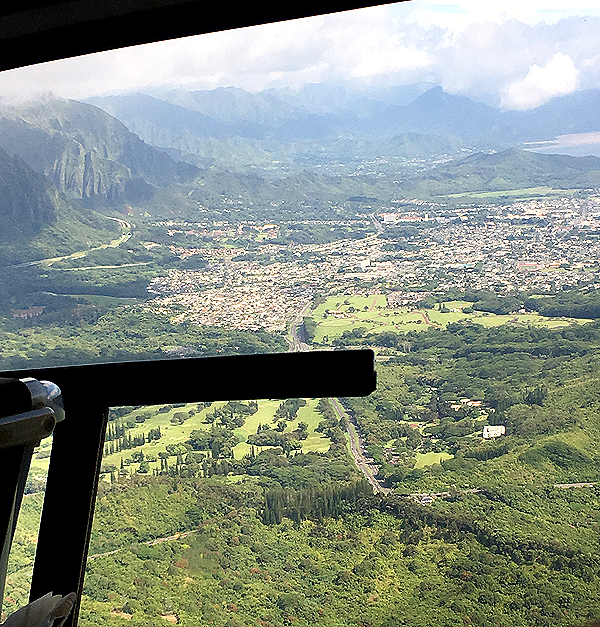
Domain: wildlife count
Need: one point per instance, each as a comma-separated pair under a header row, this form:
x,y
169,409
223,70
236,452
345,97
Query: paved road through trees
x,y
357,449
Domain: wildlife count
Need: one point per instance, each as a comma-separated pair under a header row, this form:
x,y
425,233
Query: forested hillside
x,y
507,170
28,200
382,563
279,536
85,152
229,223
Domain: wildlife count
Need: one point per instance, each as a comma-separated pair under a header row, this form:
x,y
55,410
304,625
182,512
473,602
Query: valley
x,y
463,490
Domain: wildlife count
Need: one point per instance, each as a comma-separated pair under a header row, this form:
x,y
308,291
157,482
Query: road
x,y
357,449
82,253
360,459
376,223
176,536
296,344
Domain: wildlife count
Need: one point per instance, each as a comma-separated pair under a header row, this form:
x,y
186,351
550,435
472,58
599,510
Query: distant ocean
x,y
576,145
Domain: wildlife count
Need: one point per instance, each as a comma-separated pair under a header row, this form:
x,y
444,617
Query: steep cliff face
x,y
86,152
27,199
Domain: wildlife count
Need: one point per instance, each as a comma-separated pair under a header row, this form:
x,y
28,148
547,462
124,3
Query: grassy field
x,y
428,459
338,314
171,434
495,320
264,415
176,434
527,192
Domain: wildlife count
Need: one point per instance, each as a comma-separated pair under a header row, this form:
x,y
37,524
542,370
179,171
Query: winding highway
x,y
126,234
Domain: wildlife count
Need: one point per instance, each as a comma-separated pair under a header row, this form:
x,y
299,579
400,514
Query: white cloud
x,y
515,50
558,77
392,59
457,15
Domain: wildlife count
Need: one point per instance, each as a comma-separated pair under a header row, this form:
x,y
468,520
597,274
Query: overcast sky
x,y
514,53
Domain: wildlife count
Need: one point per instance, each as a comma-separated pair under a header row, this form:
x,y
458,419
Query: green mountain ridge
x,y
37,221
28,200
86,152
510,169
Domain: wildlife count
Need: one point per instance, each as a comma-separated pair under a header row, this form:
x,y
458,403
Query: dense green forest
x,y
377,561
94,334
282,537
571,303
436,395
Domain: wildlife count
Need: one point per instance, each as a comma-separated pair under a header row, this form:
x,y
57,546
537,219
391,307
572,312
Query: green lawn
x,y
442,319
346,313
525,192
264,415
495,320
341,303
175,434
428,459
41,459
309,414
370,312
171,434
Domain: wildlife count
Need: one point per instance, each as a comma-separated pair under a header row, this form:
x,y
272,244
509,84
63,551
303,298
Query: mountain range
x,y
56,153
86,152
178,117
184,148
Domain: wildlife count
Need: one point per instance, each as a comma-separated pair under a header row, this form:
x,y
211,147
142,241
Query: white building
x,y
364,264
493,431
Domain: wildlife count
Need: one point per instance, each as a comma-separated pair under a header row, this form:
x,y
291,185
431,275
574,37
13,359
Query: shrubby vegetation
x,y
573,304
376,561
121,334
281,537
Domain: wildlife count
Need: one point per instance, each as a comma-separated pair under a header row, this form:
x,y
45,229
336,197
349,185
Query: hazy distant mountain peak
x,y
178,119
232,105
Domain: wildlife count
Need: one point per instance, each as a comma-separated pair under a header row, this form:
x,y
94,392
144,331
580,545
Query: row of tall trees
x,y
328,501
126,441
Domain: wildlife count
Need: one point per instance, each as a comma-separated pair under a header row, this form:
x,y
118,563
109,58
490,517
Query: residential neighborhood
x,y
540,246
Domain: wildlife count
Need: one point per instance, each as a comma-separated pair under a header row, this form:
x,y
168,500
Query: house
x,y
364,264
425,499
32,312
493,431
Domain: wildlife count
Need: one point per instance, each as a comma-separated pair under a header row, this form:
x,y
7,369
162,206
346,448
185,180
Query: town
x,y
539,246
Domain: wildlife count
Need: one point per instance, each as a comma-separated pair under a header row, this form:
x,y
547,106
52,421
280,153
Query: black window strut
x,y
90,390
